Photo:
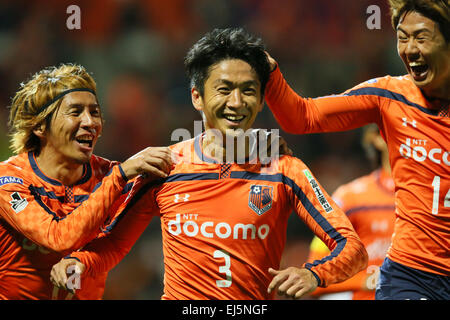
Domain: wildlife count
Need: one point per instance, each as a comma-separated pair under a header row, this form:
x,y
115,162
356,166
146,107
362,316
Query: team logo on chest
x,y
260,198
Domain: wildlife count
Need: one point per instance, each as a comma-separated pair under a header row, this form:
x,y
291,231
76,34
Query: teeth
x,y
85,138
415,64
234,118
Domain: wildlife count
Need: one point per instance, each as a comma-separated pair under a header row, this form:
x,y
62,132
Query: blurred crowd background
x,y
135,51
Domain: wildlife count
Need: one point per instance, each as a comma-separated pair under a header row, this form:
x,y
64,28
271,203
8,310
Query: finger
x,y
152,172
274,272
285,286
158,158
294,289
53,276
300,293
165,161
277,280
58,276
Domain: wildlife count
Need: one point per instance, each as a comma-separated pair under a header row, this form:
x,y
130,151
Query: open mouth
x,y
418,70
85,140
236,119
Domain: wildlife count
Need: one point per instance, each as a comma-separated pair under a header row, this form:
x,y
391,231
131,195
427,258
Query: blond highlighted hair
x,y
32,105
436,10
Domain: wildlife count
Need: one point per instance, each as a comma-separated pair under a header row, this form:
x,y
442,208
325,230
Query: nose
x,y
235,99
88,121
411,49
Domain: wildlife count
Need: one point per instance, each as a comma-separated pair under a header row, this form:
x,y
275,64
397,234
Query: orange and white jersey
x,y
41,221
368,202
419,151
224,225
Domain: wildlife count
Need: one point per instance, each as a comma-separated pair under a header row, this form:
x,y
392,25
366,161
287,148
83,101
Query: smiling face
x,y
74,129
425,53
232,97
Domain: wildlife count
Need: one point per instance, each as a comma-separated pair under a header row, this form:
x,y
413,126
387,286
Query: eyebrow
x,y
80,105
415,31
231,83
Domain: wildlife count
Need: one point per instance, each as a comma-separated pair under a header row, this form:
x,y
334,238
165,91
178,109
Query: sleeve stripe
x,y
374,91
313,212
278,177
132,202
38,199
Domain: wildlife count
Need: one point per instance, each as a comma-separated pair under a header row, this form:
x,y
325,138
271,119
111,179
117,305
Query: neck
x,y
442,93
59,169
226,149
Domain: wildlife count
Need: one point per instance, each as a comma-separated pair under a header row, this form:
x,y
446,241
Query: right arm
x,y
353,109
105,252
37,222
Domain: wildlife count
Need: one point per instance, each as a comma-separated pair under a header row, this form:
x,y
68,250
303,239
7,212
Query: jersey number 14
x,y
436,188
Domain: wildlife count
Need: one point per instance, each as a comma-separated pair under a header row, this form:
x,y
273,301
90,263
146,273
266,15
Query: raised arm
x,y
295,114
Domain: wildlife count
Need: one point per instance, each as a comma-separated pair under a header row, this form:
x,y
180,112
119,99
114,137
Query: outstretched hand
x,y
152,162
273,63
292,282
58,275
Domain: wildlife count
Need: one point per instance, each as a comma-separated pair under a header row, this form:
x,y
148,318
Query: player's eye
x,y
249,91
95,112
224,90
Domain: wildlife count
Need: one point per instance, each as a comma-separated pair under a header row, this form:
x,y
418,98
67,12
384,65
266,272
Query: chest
x,y
228,207
417,139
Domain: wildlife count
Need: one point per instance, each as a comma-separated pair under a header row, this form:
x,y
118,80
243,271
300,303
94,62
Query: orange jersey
x,y
369,204
41,221
224,225
419,152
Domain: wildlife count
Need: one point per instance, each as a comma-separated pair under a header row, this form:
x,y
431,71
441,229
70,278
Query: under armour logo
x,y
185,198
405,122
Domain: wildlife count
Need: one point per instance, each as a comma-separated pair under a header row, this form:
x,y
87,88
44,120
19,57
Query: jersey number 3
x,y
224,269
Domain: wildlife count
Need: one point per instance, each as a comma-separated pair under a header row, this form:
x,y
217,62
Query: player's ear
x,y
197,99
39,130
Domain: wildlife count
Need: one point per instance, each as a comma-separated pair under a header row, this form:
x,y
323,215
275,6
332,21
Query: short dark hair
x,y
436,10
223,44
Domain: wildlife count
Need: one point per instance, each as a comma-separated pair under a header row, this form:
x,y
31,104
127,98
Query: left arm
x,y
105,252
316,208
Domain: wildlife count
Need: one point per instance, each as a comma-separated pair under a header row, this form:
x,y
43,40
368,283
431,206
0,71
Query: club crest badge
x,y
17,202
260,198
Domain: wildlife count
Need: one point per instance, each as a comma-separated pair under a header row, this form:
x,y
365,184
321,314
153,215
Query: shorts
x,y
398,282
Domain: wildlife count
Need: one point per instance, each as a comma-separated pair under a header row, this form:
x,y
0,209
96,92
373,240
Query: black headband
x,y
62,94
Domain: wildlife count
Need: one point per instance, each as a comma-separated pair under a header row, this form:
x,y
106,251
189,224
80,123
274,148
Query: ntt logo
x,y
222,229
420,154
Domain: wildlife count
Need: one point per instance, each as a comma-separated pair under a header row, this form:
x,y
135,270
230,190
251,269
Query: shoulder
x,y
15,172
16,165
292,170
101,166
287,165
387,82
184,151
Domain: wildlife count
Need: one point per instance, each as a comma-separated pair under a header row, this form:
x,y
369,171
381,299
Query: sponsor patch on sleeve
x,y
318,192
17,202
10,179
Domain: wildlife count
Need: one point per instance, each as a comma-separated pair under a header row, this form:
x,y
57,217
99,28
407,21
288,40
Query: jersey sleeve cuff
x,y
71,257
319,282
122,173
